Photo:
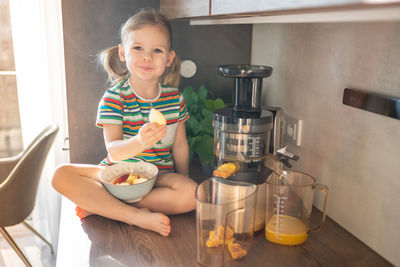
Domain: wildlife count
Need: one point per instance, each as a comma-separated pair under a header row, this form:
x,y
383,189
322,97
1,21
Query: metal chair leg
x,y
39,235
14,246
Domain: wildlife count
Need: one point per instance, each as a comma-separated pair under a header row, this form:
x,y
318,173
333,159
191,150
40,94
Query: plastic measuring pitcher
x,y
225,218
289,200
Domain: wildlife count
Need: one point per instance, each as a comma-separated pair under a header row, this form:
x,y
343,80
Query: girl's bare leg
x,y
173,194
80,184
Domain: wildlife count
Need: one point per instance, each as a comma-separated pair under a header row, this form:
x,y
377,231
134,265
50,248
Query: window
x,y
10,126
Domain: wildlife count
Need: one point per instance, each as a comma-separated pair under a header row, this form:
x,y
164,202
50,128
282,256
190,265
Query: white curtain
x,y
39,60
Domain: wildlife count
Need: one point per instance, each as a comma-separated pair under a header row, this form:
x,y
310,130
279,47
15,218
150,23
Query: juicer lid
x,y
230,116
244,71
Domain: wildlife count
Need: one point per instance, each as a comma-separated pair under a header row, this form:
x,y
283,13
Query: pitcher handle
x,y
324,189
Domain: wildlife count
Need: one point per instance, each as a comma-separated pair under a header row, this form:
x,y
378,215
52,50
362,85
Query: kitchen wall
x,y
93,25
210,47
354,152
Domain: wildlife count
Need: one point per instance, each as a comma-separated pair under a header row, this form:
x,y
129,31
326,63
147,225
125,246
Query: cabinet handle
x,y
384,105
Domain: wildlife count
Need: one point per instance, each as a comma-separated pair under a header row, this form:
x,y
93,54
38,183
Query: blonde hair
x,y
116,69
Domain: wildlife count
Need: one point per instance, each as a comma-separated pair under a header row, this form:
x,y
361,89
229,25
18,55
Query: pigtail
x,y
115,68
171,76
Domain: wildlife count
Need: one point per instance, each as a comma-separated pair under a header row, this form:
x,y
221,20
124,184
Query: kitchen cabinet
x,y
229,7
204,9
185,8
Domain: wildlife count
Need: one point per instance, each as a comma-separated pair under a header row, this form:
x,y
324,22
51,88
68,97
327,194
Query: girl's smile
x,y
146,68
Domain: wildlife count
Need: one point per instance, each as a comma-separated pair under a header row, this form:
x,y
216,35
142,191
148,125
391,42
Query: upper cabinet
x,y
173,9
223,9
228,7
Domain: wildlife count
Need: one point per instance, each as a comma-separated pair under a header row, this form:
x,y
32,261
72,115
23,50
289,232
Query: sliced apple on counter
x,y
216,239
236,251
156,116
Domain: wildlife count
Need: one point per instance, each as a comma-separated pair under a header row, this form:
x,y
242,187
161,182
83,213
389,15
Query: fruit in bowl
x,y
129,182
128,179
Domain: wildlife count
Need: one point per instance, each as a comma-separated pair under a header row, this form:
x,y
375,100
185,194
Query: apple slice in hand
x,y
157,117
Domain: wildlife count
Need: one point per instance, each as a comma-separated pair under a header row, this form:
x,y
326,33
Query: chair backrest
x,y
18,191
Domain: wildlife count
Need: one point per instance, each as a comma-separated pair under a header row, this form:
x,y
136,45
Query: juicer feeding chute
x,y
248,85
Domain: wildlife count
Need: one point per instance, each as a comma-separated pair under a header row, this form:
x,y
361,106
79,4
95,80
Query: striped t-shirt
x,y
120,105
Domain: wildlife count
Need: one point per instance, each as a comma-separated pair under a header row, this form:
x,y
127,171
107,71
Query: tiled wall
x,y
355,153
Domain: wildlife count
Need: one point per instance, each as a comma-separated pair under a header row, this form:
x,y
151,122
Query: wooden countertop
x,y
98,241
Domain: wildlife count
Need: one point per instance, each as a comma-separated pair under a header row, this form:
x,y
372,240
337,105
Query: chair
x,y
19,180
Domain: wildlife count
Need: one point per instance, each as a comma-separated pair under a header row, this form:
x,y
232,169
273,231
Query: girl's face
x,y
147,53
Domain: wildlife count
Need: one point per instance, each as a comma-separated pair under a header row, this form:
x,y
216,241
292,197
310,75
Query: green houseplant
x,y
199,127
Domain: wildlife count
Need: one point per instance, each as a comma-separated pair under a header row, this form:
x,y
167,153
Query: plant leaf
x,y
207,114
210,104
193,144
205,150
203,92
199,127
188,95
206,127
193,125
219,103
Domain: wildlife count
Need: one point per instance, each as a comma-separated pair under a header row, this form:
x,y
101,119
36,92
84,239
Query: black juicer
x,y
246,132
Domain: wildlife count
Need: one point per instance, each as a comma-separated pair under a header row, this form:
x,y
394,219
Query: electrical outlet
x,y
292,130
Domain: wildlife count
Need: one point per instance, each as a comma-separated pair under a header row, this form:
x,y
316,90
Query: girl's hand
x,y
150,134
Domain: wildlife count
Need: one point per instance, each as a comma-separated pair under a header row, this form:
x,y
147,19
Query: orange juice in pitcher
x,y
289,199
286,230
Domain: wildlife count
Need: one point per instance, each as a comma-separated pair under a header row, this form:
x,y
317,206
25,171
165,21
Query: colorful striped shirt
x,y
120,105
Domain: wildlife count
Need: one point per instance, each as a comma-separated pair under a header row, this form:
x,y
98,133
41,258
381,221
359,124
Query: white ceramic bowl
x,y
129,193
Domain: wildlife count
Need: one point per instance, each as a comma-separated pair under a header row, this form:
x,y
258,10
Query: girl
x,y
136,67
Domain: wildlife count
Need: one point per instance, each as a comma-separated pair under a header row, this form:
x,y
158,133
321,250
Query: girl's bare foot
x,y
156,222
144,218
